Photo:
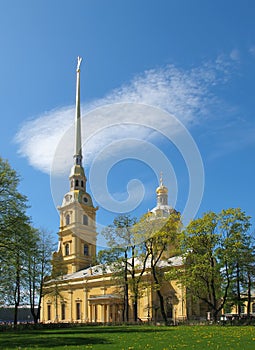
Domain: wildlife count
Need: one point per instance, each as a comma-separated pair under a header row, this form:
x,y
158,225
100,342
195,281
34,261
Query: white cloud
x,y
38,138
184,93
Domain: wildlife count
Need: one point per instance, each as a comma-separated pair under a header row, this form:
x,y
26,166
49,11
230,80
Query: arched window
x,y
82,184
253,308
86,249
85,220
67,219
67,249
76,183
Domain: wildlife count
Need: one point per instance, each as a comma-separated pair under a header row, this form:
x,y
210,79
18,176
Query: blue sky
x,y
185,68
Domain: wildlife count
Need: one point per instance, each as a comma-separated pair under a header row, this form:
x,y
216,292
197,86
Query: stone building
x,y
79,290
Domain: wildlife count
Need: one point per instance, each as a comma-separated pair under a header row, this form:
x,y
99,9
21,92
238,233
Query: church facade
x,y
79,290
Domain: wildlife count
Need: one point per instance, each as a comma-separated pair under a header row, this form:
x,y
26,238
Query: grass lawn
x,y
132,337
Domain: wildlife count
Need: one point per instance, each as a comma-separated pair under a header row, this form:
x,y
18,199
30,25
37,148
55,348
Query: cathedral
x,y
81,291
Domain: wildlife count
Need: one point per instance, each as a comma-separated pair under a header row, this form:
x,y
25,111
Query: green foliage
x,y
158,234
15,237
38,266
12,205
215,249
120,234
238,251
159,237
24,255
110,256
122,257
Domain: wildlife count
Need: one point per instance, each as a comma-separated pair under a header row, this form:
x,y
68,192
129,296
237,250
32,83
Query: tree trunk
x,y
135,302
134,286
160,296
32,289
238,290
215,315
17,295
15,318
162,306
126,304
249,295
135,305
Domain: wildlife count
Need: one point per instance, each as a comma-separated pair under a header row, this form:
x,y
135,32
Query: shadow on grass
x,y
78,336
24,340
109,329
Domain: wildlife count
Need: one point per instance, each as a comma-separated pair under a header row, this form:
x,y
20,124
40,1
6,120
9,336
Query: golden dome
x,y
161,189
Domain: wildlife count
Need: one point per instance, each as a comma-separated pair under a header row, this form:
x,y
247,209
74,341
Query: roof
x,y
100,270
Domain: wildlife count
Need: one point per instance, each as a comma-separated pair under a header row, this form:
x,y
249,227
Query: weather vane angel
x,y
79,59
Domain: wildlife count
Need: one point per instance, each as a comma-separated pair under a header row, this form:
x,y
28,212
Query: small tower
x,y
162,208
77,233
164,211
162,193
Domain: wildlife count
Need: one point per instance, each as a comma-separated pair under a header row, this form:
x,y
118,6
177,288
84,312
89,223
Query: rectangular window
x,y
63,311
49,312
78,311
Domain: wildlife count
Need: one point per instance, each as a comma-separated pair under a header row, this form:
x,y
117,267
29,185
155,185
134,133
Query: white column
x,y
85,304
71,306
102,313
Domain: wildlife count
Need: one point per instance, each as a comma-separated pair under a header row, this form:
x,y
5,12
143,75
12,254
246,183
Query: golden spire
x,y
78,150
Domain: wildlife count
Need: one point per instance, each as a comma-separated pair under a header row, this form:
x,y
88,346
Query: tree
x,y
211,256
24,251
38,267
202,275
158,235
120,238
12,203
15,264
238,250
249,278
15,237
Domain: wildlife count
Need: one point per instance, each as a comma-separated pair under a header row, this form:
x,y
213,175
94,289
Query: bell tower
x,y
77,232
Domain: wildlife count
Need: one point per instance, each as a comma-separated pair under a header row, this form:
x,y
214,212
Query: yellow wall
x,y
92,294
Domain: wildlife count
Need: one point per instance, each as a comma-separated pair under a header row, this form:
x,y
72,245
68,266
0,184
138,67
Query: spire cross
x,y
161,178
